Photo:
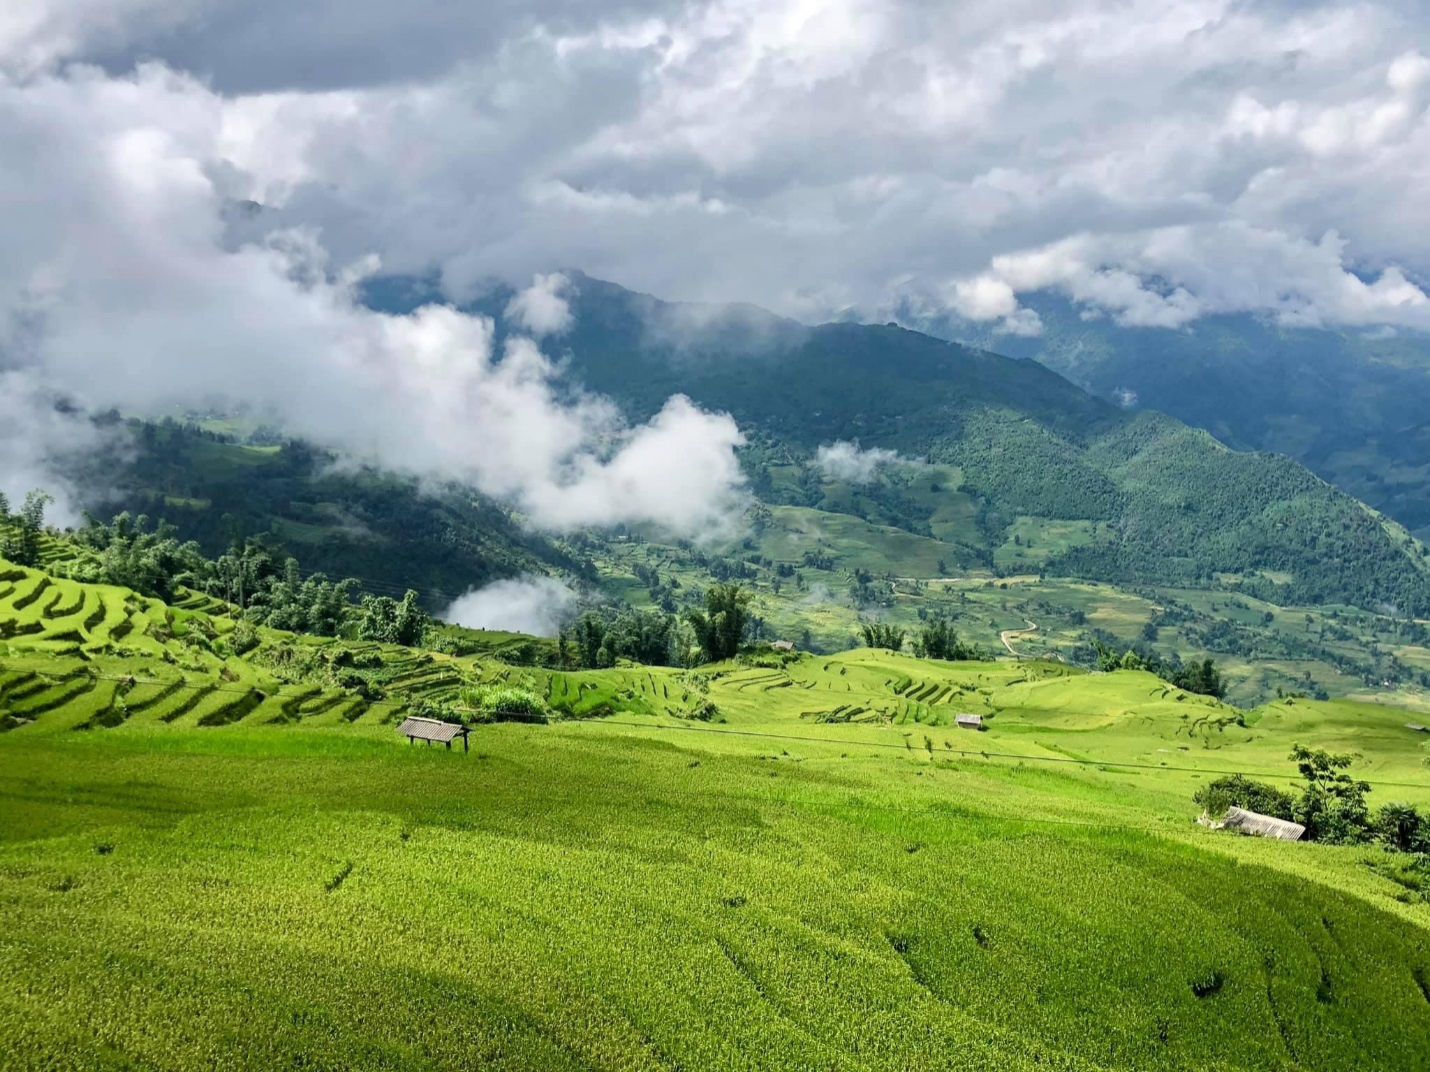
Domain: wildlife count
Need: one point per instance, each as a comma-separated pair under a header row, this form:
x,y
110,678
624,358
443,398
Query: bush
x,y
1241,792
1403,828
505,703
243,639
705,711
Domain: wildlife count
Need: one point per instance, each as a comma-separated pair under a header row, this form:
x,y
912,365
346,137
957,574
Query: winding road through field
x,y
1009,635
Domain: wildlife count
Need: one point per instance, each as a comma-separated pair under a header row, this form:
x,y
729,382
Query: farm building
x,y
1250,822
783,645
430,729
1416,727
970,722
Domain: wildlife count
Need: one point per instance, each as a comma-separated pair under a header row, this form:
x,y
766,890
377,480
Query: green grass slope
x,y
209,861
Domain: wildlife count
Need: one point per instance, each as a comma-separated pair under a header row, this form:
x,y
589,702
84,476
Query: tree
x,y
937,640
152,563
720,627
387,621
315,605
882,635
23,546
1332,807
1202,678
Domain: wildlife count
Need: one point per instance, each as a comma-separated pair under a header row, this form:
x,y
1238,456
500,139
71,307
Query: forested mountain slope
x,y
1349,404
390,530
1147,498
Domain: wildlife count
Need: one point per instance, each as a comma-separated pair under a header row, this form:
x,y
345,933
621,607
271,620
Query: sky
x,y
1155,161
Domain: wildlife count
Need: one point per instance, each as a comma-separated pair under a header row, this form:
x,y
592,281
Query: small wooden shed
x,y
969,722
1251,822
431,729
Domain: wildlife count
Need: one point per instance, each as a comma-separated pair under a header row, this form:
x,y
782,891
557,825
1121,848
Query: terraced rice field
x,y
208,865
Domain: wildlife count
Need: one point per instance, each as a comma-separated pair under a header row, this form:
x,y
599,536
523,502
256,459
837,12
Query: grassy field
x,y
219,862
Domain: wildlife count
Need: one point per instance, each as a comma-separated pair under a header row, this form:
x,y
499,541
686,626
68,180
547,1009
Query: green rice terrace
x,y
784,861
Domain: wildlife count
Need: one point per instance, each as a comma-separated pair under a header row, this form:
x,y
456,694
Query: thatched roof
x,y
1250,822
430,729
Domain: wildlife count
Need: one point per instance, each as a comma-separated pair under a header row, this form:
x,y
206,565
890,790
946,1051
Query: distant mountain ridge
x,y
1351,405
1129,496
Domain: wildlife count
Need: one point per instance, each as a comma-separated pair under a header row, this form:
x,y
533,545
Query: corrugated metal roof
x,y
430,729
1250,822
970,720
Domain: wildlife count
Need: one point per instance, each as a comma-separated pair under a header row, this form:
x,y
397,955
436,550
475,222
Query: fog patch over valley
x,y
846,462
533,605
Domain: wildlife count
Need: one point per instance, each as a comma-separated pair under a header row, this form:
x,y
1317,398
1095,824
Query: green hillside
x,y
224,481
1174,506
235,861
1349,405
915,540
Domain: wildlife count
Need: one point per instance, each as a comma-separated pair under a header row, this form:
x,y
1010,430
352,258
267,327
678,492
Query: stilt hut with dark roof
x,y
431,729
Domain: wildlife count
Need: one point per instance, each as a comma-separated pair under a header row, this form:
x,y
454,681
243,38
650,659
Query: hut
x,y
431,729
1250,822
783,645
969,722
1415,727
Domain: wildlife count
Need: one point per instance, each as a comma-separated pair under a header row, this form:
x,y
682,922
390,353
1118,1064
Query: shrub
x,y
243,639
1403,828
505,703
1238,791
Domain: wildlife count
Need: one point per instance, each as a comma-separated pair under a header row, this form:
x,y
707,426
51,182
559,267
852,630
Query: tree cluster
x,y
720,627
882,635
1330,804
20,533
937,640
390,621
1202,678
599,637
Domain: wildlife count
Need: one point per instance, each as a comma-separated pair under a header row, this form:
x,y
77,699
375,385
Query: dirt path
x,y
1009,635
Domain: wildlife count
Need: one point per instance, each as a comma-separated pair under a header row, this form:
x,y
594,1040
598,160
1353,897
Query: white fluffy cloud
x,y
534,605
117,289
1156,160
541,308
842,460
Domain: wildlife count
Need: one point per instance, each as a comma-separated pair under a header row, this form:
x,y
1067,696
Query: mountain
x,y
1349,405
1134,497
391,531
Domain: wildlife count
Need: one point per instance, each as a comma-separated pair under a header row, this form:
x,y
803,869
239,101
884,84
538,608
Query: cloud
x,y
844,461
120,288
1155,160
45,445
533,605
540,309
